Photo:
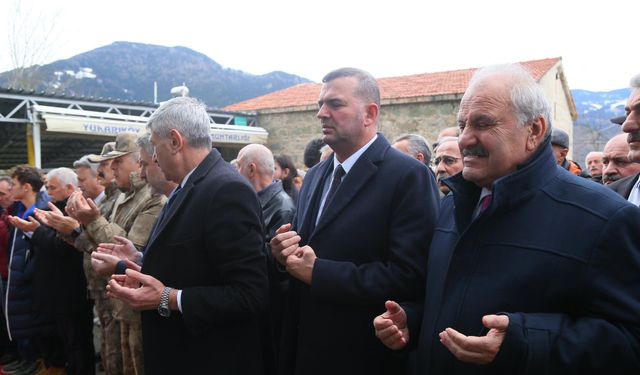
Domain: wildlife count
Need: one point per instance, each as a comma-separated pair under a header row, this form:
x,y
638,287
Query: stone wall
x,y
289,132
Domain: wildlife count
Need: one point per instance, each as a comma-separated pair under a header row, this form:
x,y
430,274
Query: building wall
x,y
561,114
289,132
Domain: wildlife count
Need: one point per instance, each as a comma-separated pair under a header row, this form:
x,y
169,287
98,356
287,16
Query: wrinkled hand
x,y
391,326
57,220
140,291
284,243
82,209
123,249
26,226
474,349
104,264
300,264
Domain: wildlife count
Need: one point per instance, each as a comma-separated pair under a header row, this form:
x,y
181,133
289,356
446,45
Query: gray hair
x,y
635,82
84,162
144,141
186,115
6,179
527,97
66,176
367,89
417,145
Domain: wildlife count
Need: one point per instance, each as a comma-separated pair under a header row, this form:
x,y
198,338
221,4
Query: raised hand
x,y
123,249
391,326
473,349
140,291
284,243
26,226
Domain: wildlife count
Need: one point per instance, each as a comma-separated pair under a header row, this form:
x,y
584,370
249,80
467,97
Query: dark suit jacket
x,y
371,243
210,245
624,185
59,284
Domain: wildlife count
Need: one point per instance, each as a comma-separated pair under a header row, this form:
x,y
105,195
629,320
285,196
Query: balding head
x,y
255,163
616,160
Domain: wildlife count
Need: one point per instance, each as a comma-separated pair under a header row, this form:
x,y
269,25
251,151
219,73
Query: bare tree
x,y
32,37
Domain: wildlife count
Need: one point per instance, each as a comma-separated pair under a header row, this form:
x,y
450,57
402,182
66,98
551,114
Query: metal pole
x,y
35,136
36,144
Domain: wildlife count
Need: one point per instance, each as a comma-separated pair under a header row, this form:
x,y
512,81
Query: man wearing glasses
x,y
448,161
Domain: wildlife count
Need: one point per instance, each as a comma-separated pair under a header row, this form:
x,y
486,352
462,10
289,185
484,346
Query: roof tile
x,y
417,85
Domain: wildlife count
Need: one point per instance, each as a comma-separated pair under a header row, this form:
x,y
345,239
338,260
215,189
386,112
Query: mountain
x,y
127,71
593,128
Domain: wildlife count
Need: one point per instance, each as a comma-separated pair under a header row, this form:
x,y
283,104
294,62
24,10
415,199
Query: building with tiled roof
x,y
420,103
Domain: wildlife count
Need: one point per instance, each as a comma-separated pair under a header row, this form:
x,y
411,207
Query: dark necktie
x,y
337,179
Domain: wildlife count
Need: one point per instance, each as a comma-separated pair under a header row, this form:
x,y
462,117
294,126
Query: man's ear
x,y
176,140
564,152
420,157
537,130
371,114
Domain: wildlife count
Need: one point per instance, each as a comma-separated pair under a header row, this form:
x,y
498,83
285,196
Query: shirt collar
x,y
351,160
184,180
99,198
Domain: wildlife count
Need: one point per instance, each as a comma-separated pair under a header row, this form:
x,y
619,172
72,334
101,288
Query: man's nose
x,y
631,124
322,112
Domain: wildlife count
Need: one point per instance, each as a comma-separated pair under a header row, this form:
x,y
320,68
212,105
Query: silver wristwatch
x,y
163,307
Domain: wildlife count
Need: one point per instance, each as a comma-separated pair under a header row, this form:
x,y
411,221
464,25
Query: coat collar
x,y
508,190
265,195
353,182
198,174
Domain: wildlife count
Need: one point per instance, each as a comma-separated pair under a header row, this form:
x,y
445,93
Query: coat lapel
x,y
359,175
309,212
201,170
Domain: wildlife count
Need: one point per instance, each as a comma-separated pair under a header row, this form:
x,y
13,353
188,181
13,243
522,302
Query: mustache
x,y
476,150
633,137
441,176
611,177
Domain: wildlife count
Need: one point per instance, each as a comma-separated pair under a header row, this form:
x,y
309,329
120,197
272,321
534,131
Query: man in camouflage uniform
x,y
110,349
133,216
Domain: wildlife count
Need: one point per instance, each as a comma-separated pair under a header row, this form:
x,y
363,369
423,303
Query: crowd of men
x,y
488,251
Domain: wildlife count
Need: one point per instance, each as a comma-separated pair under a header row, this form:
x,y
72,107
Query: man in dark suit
x,y
365,219
203,284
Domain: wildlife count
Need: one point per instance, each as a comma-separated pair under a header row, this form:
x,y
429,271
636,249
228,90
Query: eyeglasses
x,y
448,160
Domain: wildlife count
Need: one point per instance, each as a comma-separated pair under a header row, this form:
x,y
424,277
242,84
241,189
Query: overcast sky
x,y
597,41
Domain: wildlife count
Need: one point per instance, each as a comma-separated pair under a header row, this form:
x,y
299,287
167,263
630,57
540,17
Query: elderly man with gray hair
x,y
255,163
514,286
203,285
415,146
71,230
